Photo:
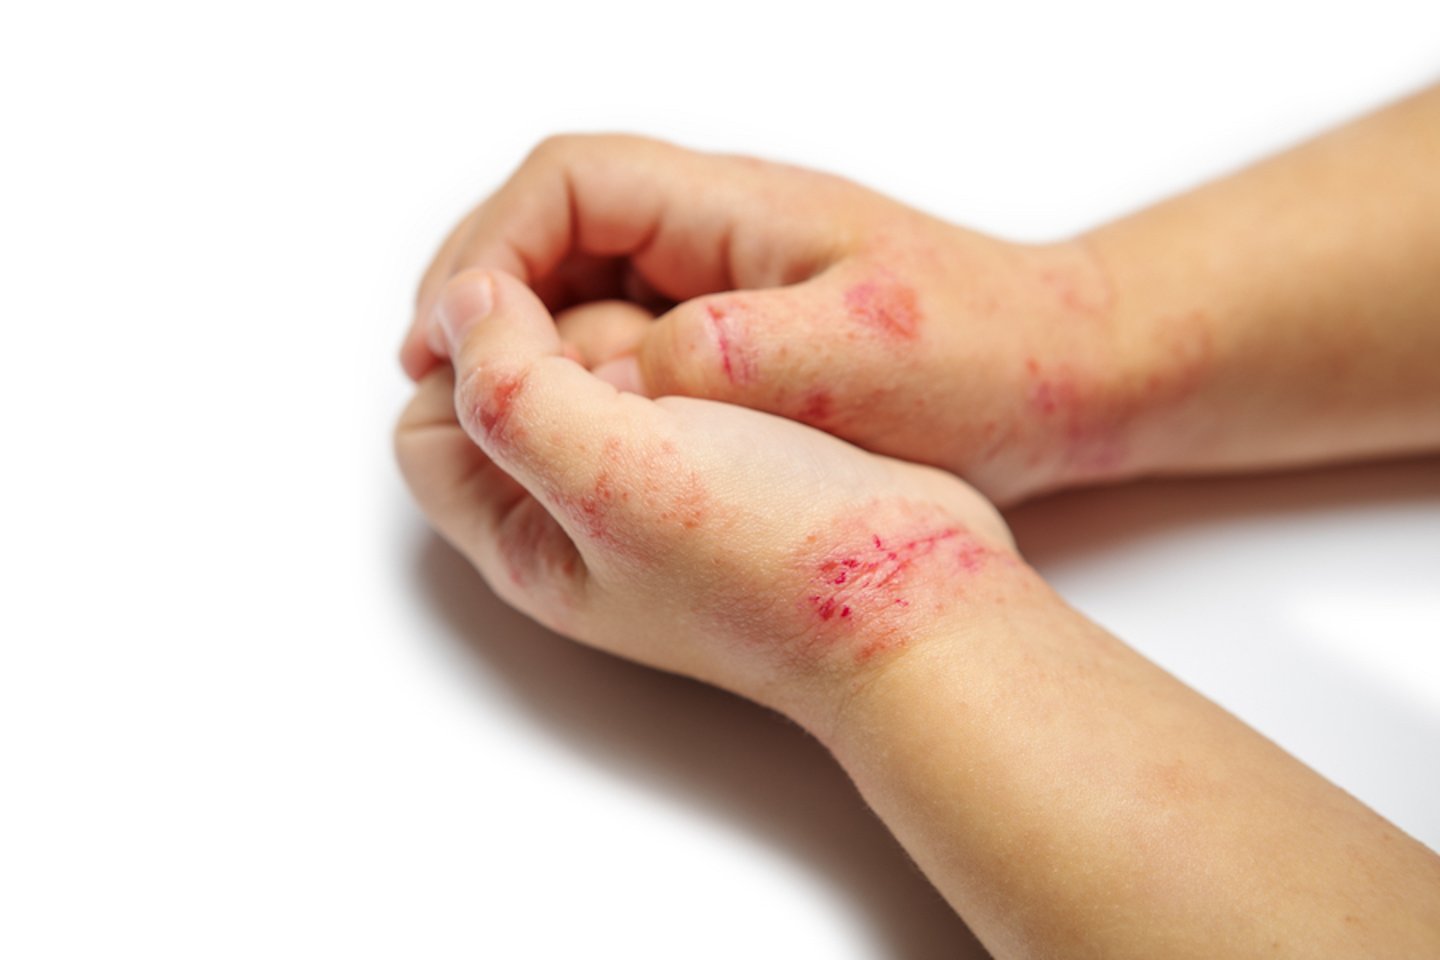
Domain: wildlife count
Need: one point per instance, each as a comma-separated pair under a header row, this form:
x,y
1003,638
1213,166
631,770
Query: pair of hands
x,y
574,335
624,355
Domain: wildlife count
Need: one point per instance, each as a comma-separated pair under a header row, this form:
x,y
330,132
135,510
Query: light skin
x,y
602,471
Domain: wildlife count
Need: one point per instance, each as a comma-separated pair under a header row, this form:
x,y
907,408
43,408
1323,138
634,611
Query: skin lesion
x,y
874,575
1087,412
640,495
729,329
1076,409
817,407
493,411
884,305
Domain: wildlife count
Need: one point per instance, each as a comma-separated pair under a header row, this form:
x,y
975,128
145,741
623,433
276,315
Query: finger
x,y
519,549
587,453
824,352
444,468
600,332
418,357
577,280
689,223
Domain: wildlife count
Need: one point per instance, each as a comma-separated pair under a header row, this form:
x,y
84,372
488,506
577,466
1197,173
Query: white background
x,y
250,707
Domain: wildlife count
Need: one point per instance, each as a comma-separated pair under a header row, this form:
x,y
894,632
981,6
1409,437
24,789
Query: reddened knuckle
x,y
486,398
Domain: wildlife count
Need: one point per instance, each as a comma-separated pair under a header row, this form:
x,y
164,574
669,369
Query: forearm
x,y
1071,799
1290,313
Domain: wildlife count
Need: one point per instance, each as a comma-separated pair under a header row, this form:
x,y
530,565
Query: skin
x,y
1066,796
642,526
806,296
1280,317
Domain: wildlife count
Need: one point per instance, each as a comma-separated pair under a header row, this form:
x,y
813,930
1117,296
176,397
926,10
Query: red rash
x,y
493,413
1053,392
817,407
666,493
1088,428
886,306
865,588
729,330
593,506
1092,411
591,510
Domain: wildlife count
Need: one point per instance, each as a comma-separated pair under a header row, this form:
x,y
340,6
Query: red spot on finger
x,y
730,331
886,306
817,407
493,413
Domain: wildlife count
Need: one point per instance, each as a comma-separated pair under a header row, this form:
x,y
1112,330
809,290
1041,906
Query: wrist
x,y
858,701
1148,412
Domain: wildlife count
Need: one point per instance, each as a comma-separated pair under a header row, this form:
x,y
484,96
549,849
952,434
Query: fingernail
x,y
463,304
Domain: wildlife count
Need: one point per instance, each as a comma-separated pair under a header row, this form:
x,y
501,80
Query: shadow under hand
x,y
715,751
1055,528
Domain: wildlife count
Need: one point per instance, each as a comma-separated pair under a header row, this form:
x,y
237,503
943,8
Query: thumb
x,y
816,351
732,346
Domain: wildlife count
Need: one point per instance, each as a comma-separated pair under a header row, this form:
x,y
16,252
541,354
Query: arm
x,y
1067,797
1301,299
1071,799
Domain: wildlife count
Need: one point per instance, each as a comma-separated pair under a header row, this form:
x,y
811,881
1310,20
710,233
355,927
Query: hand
x,y
806,296
706,539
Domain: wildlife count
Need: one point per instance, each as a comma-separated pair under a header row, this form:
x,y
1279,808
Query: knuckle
x,y
486,398
562,149
554,149
724,331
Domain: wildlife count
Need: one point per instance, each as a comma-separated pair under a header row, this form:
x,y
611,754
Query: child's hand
x,y
698,537
807,296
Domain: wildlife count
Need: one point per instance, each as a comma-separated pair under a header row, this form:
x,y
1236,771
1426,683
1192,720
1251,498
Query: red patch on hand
x,y
865,589
666,491
493,411
817,407
1089,430
1091,411
885,305
591,510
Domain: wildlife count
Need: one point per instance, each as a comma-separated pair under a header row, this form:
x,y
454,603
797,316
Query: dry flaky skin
x,y
1069,798
804,295
670,531
1282,316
